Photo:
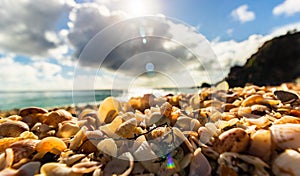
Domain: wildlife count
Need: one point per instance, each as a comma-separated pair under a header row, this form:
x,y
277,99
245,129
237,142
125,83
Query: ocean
x,y
49,99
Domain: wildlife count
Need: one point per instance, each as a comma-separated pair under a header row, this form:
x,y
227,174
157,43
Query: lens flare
x,y
170,164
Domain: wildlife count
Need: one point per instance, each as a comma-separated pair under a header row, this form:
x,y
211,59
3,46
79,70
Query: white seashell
x,y
287,163
108,146
185,123
286,136
144,152
199,164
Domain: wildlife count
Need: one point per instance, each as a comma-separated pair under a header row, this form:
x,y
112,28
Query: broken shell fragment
x,y
12,128
287,163
199,164
286,136
126,129
57,169
67,129
85,167
23,149
235,164
233,140
109,109
108,146
51,144
55,117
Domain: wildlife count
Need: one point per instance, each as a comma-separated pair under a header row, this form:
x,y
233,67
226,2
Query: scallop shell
x,y
286,136
287,163
12,128
109,109
199,164
51,144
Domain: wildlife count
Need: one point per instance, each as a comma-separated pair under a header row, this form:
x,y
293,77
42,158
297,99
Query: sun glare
x,y
139,7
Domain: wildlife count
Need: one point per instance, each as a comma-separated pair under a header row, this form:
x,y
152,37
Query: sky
x,y
123,44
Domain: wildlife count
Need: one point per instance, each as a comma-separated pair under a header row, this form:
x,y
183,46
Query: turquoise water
x,y
45,99
49,99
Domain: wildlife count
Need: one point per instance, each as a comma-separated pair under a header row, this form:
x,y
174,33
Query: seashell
x,y
285,96
90,141
227,106
15,117
236,164
92,117
6,159
110,129
67,129
253,99
51,144
154,118
70,160
23,149
286,136
108,146
76,141
31,115
85,167
6,142
109,109
259,109
141,103
55,117
159,132
260,122
233,140
199,164
260,144
166,109
186,160
295,112
12,128
182,138
287,163
185,123
204,134
144,152
127,128
287,119
123,165
57,169
30,168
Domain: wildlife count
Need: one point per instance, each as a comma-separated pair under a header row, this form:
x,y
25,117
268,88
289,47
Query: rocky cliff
x,y
277,61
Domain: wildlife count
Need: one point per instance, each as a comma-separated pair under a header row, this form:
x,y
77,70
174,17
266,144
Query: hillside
x,y
276,61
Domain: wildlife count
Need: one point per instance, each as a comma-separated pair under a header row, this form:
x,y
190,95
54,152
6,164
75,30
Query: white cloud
x,y
29,27
36,76
288,8
242,14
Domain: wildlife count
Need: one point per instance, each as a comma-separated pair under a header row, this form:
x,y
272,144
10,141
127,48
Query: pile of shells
x,y
216,131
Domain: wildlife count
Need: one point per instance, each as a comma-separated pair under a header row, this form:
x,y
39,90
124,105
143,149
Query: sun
x,y
137,8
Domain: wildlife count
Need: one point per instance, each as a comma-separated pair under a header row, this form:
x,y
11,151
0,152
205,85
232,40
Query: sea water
x,y
48,99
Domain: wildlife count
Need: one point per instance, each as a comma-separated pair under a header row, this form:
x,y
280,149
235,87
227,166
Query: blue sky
x,y
41,41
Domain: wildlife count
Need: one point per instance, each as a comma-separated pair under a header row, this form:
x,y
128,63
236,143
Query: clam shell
x,y
12,128
109,109
286,136
287,163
